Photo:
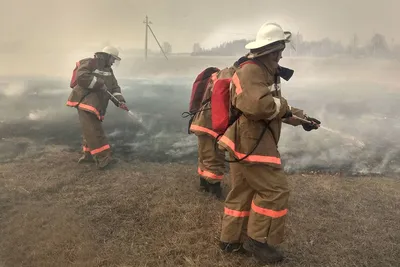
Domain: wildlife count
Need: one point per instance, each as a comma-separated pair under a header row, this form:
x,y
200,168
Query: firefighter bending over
x,y
257,204
91,80
211,159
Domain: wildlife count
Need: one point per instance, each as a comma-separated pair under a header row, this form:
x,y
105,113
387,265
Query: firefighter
x,y
257,204
92,79
211,159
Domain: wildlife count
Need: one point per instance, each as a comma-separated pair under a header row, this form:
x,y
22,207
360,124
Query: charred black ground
x,y
38,115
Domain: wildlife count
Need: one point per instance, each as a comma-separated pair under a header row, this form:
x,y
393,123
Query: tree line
x,y
377,46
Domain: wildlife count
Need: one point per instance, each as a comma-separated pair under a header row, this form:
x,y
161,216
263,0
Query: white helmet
x,y
111,51
269,33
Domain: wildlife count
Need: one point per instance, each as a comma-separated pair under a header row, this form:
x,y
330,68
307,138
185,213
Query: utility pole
x,y
147,22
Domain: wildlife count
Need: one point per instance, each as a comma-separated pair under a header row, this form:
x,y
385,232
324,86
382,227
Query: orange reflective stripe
x,y
203,129
101,149
268,212
86,149
86,107
209,174
251,158
236,82
235,78
236,213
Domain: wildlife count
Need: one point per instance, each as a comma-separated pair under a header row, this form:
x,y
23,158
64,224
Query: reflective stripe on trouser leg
x,y
211,165
95,137
237,207
85,147
269,205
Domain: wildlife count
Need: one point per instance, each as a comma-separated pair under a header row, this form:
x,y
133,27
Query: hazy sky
x,y
63,25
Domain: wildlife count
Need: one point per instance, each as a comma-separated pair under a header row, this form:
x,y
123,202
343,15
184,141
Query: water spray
x,y
130,113
346,136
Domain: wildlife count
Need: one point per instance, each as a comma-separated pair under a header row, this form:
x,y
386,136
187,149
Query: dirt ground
x,y
54,212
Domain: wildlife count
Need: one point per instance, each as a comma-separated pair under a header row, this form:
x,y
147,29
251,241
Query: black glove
x,y
313,125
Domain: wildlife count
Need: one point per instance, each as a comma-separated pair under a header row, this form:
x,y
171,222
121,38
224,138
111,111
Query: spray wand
x,y
124,107
303,120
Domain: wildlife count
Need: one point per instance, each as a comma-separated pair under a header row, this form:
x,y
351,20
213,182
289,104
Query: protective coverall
x,y
91,102
211,159
257,204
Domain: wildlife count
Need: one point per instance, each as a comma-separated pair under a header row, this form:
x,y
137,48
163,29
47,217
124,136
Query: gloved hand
x,y
123,106
313,125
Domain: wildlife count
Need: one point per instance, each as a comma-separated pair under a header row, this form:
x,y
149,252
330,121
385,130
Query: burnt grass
x,y
54,212
161,105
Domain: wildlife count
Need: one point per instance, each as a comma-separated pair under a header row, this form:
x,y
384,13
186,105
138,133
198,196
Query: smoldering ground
x,y
362,111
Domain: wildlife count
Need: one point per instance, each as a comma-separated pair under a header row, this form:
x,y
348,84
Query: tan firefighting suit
x,y
91,103
211,164
258,201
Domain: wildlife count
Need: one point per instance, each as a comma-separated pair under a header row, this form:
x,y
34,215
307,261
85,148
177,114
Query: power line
x,y
158,42
147,22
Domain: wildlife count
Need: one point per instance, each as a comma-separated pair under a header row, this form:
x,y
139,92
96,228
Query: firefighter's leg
x,y
96,139
268,211
211,164
86,157
200,166
236,210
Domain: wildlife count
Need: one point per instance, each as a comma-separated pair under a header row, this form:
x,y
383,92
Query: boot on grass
x,y
262,252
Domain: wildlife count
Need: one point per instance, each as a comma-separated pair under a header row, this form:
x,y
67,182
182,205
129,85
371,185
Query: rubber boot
x,y
232,247
262,251
216,190
86,158
204,185
105,163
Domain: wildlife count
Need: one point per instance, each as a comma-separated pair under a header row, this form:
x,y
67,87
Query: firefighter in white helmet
x,y
257,204
91,80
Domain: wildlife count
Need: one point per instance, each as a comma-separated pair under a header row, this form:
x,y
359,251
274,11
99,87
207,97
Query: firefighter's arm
x,y
116,91
254,96
295,112
85,77
293,121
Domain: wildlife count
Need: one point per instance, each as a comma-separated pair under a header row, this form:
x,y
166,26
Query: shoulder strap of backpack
x,y
266,125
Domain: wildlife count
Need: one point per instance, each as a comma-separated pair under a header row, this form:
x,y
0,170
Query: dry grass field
x,y
54,212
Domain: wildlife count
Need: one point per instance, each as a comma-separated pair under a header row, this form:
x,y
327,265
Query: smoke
x,y
359,133
14,88
358,113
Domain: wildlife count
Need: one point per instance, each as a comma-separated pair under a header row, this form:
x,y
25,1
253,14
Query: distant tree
x,y
167,48
378,45
196,49
353,47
